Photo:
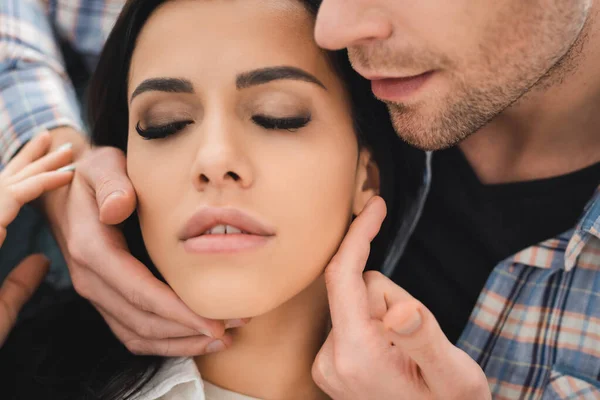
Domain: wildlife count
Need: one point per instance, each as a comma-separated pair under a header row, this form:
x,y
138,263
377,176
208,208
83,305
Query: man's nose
x,y
346,23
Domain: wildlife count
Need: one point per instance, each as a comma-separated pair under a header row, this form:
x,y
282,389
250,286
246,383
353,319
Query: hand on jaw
x,y
143,312
384,344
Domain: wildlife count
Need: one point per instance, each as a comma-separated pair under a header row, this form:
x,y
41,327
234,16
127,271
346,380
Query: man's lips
x,y
399,88
209,231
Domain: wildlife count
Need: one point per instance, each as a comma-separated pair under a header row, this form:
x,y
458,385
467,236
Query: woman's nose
x,y
221,162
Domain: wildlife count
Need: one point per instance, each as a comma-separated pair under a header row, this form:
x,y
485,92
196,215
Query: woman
x,y
249,157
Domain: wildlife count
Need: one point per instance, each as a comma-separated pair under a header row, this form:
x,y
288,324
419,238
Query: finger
x,y
177,347
142,323
416,333
34,149
9,209
382,293
324,372
17,195
236,323
104,172
50,162
18,287
135,283
345,286
23,192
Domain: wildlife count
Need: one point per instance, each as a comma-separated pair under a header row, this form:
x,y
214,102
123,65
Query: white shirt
x,y
179,379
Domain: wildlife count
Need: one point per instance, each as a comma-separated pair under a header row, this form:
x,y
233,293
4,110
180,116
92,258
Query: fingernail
x,y
215,346
371,200
410,325
67,168
206,333
114,195
64,147
234,323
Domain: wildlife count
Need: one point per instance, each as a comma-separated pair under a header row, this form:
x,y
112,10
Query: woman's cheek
x,y
319,215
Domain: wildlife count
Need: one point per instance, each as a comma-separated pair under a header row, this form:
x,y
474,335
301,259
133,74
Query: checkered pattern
x,y
536,327
35,91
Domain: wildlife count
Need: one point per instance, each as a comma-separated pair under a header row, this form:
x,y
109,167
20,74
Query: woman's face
x,y
254,135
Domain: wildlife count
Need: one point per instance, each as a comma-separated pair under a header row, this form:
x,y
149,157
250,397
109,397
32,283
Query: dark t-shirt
x,y
467,228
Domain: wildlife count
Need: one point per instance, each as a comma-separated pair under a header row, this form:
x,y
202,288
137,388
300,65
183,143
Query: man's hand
x,y
384,344
144,313
17,288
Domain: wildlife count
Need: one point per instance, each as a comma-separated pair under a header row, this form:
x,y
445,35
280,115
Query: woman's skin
x,y
195,66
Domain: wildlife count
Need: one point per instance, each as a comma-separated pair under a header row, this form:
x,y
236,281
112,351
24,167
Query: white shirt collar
x,y
179,379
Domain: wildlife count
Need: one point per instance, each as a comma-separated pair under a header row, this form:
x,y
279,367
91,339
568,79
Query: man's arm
x,y
36,93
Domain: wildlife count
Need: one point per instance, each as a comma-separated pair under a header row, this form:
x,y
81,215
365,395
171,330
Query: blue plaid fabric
x,y
535,330
35,90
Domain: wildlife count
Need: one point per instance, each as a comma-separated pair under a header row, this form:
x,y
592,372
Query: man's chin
x,y
426,139
431,133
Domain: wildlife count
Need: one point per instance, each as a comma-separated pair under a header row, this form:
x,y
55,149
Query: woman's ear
x,y
367,181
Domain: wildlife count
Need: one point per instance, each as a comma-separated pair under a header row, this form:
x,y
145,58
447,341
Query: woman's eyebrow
x,y
265,75
171,85
244,80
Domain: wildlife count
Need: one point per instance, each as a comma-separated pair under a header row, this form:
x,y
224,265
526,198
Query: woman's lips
x,y
399,89
224,243
249,232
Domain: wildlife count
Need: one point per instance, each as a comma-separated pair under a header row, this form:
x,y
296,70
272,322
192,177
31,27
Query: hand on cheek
x,y
384,344
143,312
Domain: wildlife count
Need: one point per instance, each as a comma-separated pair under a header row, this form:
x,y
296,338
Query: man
x,y
516,85
496,247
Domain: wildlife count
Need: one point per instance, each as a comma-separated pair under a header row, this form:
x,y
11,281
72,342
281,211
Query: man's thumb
x,y
417,334
116,206
104,171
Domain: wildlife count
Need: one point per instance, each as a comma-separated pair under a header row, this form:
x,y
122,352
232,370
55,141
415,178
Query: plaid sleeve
x,y
35,90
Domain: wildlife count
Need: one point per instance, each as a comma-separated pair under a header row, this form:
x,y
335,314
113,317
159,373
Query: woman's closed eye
x,y
278,123
271,123
161,131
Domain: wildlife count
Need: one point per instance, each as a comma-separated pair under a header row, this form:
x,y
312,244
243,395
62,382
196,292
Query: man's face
x,y
446,68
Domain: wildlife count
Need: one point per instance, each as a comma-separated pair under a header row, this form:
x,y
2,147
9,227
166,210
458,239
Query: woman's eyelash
x,y
162,131
288,123
271,123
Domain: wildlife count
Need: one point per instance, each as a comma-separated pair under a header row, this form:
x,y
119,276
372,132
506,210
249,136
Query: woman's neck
x,y
272,356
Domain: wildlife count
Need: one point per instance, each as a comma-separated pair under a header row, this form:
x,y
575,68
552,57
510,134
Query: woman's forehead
x,y
217,38
243,14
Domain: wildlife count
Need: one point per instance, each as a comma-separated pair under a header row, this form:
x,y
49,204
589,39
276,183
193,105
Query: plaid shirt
x,y
35,90
535,329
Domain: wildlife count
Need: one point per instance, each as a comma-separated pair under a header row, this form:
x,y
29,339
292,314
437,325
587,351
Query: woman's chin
x,y
226,298
219,309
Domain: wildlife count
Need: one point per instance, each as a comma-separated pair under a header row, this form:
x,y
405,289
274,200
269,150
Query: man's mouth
x,y
399,89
